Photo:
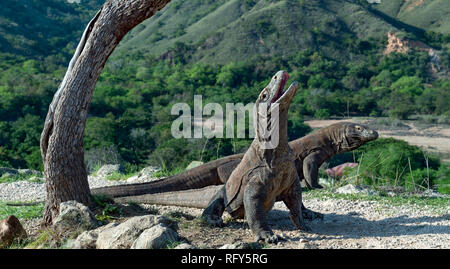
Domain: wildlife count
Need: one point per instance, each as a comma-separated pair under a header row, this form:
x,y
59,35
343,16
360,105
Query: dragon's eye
x,y
264,95
358,128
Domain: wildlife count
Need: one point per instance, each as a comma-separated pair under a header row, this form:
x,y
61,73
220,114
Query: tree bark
x,y
62,136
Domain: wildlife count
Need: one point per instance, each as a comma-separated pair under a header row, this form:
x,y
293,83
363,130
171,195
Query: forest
x,y
129,116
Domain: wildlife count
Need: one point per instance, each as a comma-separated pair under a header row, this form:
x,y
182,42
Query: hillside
x,y
224,50
231,30
431,15
39,28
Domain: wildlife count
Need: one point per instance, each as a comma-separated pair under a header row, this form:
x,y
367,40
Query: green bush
x,y
443,182
387,161
322,114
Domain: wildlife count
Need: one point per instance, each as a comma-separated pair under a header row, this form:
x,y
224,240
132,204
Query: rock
x,y
10,229
145,175
156,237
124,235
236,246
36,179
133,179
148,171
109,169
353,189
74,216
433,193
338,171
8,174
326,182
6,170
185,246
391,194
29,172
193,164
88,239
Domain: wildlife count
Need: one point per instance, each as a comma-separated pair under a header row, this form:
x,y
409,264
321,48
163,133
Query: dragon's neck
x,y
271,139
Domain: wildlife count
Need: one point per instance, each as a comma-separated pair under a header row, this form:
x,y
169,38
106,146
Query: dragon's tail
x,y
197,198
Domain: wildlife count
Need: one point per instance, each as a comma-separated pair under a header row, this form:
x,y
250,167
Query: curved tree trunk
x,y
62,137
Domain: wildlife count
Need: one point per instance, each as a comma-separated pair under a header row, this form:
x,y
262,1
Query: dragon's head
x,y
357,135
274,92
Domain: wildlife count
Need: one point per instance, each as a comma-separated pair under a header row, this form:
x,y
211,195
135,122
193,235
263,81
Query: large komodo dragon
x,y
310,151
266,173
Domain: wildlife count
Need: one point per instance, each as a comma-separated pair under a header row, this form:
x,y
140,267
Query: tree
x,y
62,136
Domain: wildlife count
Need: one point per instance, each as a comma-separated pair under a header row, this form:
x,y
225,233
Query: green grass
x,y
174,244
21,212
443,184
17,177
120,176
168,173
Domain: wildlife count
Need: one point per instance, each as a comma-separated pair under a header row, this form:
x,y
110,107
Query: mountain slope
x,y
36,28
431,15
231,30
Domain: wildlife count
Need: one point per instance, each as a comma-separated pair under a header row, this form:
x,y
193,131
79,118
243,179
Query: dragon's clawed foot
x,y
213,221
303,227
311,215
268,237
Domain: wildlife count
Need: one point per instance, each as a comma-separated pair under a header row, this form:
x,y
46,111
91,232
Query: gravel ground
x,y
346,223
26,191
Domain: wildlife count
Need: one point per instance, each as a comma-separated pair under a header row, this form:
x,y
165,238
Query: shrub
x,y
392,162
322,114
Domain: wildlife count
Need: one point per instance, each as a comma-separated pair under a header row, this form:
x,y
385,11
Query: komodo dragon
x,y
265,174
310,151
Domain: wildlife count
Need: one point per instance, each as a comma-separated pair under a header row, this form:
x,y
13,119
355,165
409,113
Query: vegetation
x,y
388,163
130,110
340,72
21,212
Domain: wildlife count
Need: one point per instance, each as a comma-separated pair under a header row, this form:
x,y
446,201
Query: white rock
x,y
156,237
29,172
235,246
88,239
148,171
123,235
352,189
73,216
193,164
109,169
185,246
133,179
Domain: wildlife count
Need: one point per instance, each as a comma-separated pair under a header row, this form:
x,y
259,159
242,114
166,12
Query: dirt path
x,y
347,224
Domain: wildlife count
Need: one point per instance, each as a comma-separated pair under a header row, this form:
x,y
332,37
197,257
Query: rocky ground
x,y
347,222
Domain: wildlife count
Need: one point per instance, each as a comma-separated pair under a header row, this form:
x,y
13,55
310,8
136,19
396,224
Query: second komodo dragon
x,y
310,151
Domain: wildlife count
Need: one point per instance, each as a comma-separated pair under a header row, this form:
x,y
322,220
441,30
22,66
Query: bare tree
x,y
62,136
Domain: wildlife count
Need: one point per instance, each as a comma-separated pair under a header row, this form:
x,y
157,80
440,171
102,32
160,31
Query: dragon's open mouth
x,y
281,90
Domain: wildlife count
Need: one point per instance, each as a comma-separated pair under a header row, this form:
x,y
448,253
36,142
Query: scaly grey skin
x,y
310,151
264,174
314,149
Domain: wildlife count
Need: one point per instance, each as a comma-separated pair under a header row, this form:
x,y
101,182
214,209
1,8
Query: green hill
x,y
431,15
231,30
224,50
39,28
